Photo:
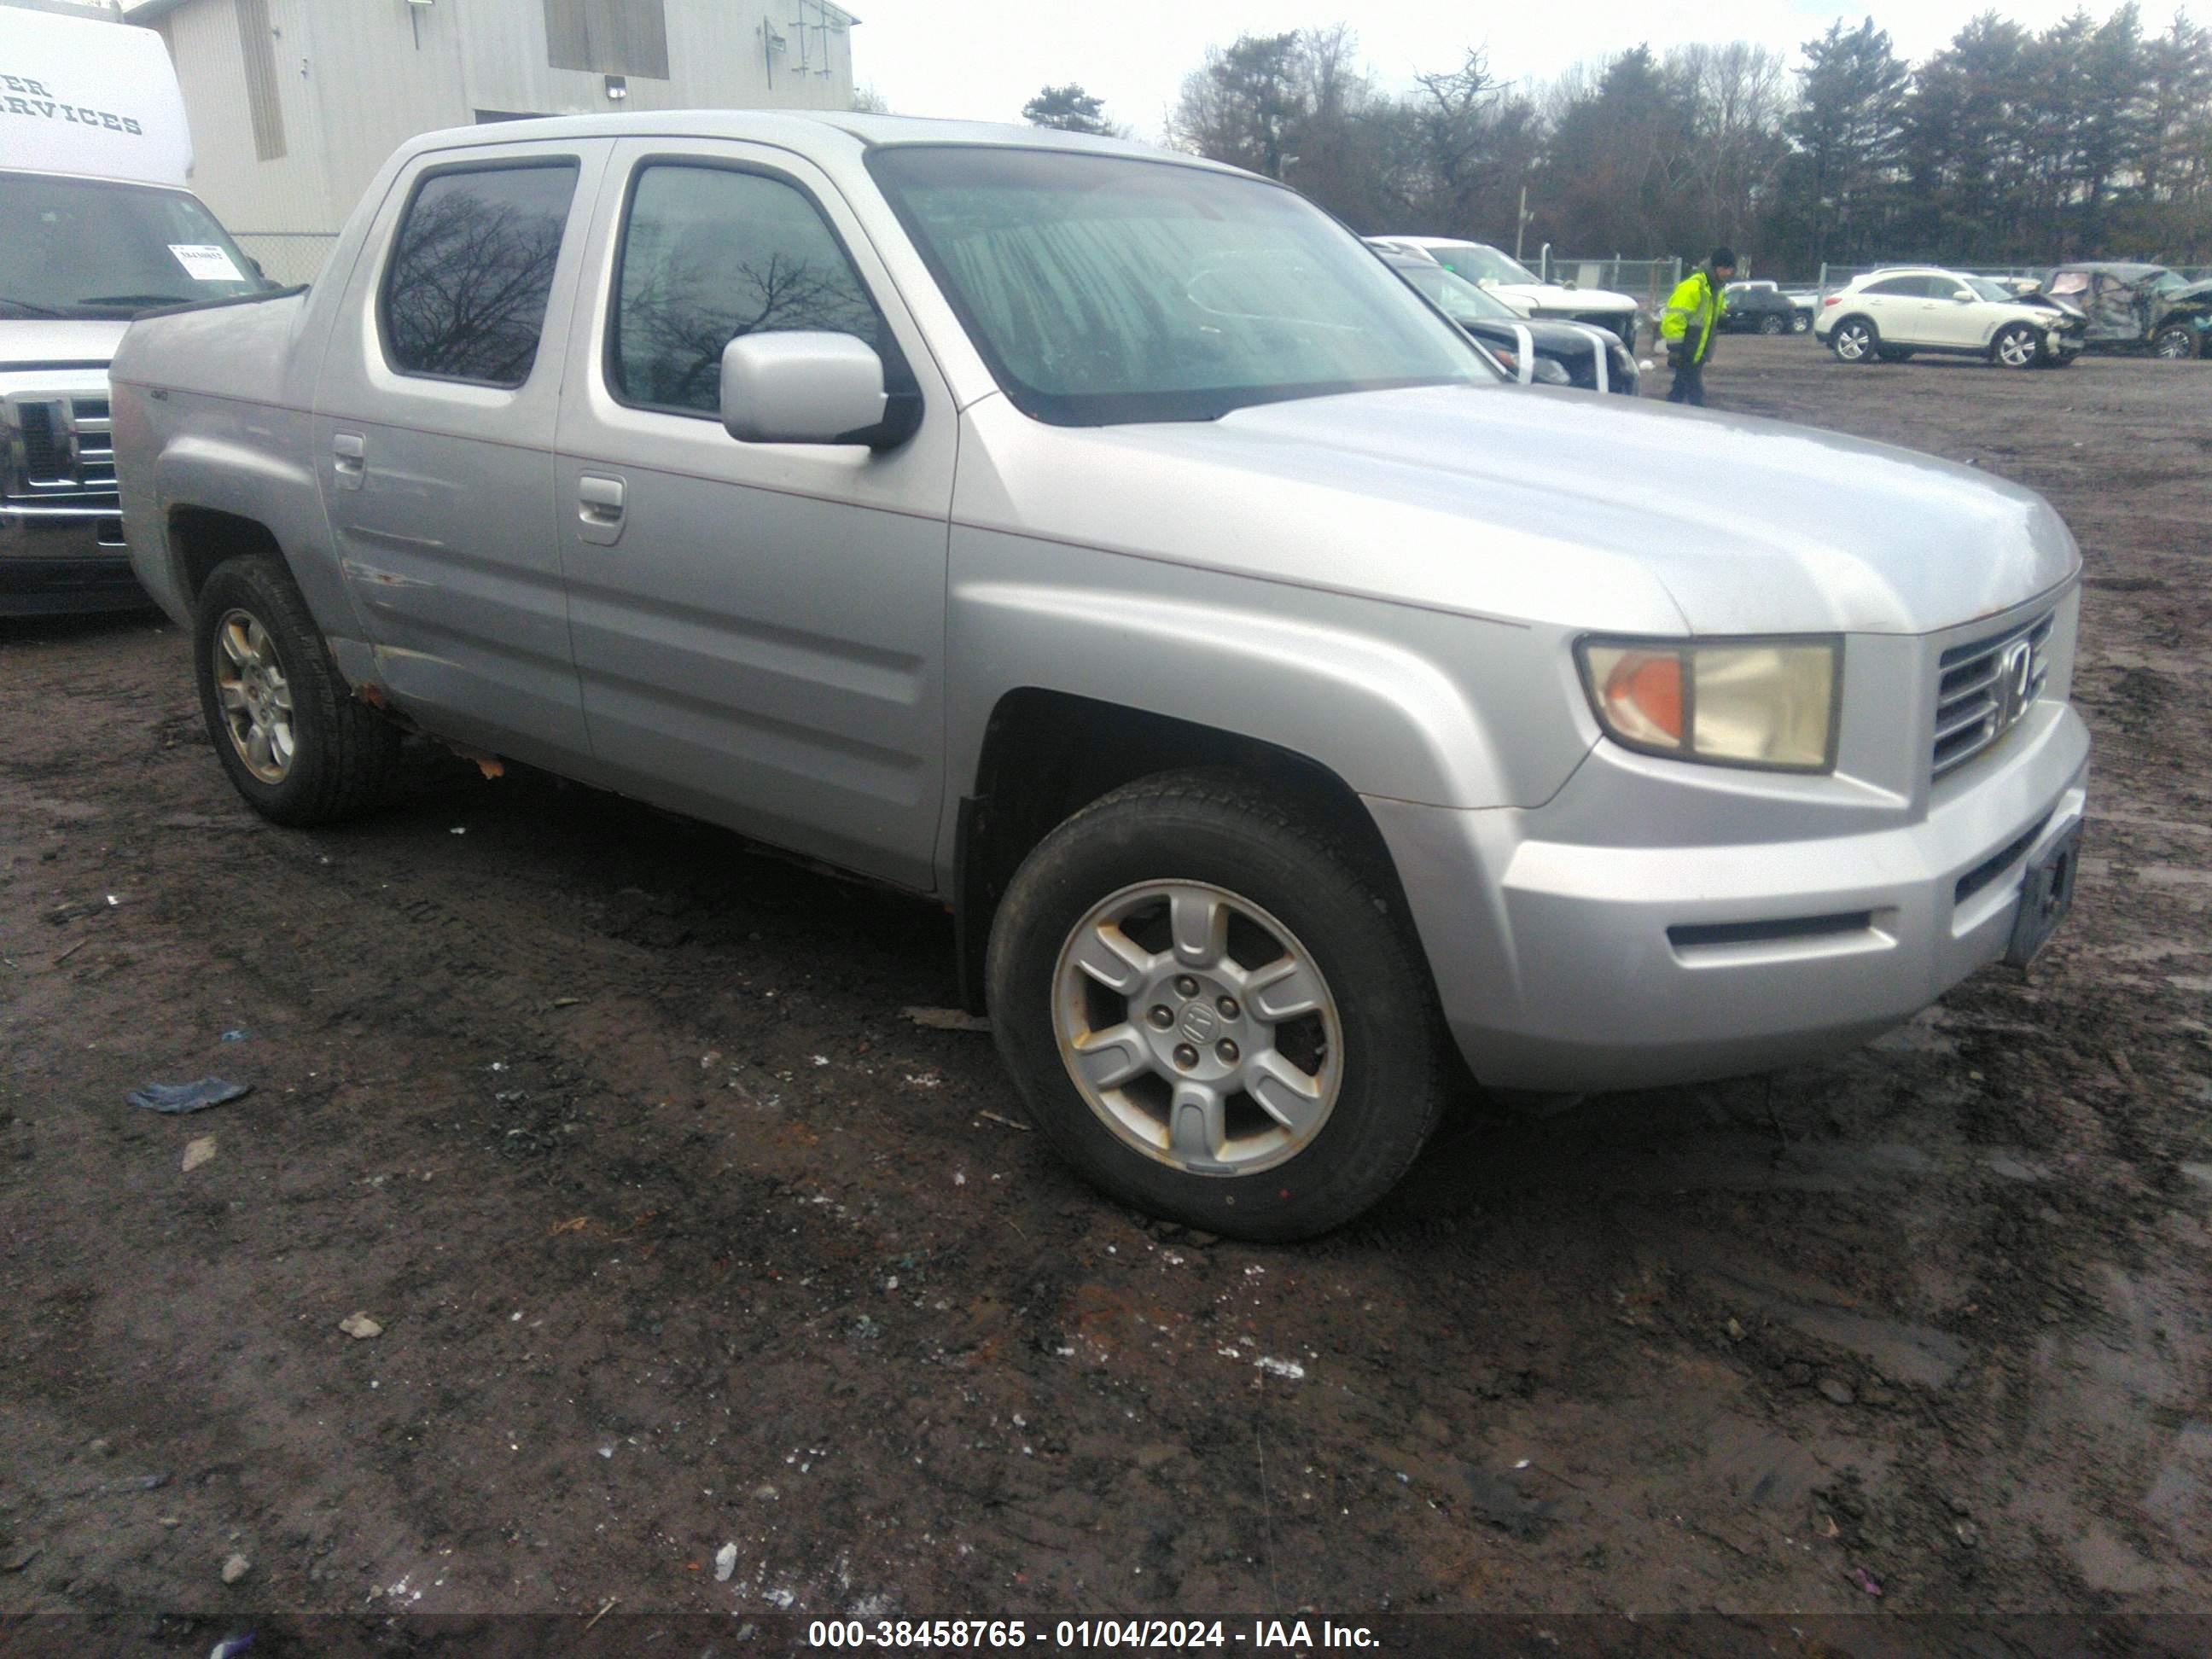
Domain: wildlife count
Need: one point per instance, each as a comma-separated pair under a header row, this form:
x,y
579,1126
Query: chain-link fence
x,y
1647,280
286,257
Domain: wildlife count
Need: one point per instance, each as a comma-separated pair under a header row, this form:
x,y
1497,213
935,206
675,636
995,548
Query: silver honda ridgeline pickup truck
x,y
1109,545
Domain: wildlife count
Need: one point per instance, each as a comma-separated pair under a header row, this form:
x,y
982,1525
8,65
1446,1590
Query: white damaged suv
x,y
1886,315
1291,712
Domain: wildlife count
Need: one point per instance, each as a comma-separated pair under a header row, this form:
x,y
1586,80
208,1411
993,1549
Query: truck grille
x,y
64,445
1984,686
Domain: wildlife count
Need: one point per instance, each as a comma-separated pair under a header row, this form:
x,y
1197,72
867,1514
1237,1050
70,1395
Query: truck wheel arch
x,y
1047,754
201,537
227,499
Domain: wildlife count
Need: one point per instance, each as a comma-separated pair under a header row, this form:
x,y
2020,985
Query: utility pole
x,y
1521,224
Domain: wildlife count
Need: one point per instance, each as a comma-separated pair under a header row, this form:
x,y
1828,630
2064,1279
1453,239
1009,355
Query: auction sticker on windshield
x,y
204,262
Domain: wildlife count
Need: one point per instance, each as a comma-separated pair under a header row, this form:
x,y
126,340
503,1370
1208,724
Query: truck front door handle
x,y
349,459
599,508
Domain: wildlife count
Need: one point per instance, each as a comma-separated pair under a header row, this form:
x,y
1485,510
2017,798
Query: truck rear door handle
x,y
349,458
599,508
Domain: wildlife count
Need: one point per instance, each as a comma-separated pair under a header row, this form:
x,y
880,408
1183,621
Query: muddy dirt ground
x,y
681,1235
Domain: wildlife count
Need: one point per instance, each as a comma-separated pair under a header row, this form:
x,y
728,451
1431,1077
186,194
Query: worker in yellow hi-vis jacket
x,y
1691,318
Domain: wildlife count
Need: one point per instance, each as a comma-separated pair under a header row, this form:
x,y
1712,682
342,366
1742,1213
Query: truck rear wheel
x,y
1213,1010
294,740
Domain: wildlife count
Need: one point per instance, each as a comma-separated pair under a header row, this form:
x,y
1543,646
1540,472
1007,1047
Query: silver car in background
x,y
1292,712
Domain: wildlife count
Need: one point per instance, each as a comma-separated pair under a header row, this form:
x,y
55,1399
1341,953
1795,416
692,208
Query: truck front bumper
x,y
1568,967
61,559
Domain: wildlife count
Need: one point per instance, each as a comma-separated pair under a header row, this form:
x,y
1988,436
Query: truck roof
x,y
1439,241
796,129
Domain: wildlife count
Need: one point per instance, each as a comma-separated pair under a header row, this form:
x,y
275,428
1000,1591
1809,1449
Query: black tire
x,y
2176,343
344,753
1216,829
2026,342
1856,340
1802,323
1773,323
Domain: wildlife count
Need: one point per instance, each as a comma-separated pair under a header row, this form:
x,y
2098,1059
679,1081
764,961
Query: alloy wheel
x,y
254,696
2017,349
1198,1028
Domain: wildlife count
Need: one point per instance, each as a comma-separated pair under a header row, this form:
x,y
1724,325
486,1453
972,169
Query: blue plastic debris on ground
x,y
187,1097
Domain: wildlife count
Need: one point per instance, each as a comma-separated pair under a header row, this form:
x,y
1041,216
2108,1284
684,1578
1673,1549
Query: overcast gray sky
x,y
983,59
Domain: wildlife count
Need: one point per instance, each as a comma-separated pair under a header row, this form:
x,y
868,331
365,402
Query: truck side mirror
x,y
803,388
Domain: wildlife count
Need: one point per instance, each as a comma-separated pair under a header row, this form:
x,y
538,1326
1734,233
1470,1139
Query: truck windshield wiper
x,y
137,299
30,306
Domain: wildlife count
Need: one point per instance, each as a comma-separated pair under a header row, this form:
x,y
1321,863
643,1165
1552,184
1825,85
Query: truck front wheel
x,y
294,740
1213,1009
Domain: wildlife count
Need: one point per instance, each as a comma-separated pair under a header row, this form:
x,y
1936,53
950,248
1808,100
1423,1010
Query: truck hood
x,y
1537,506
51,342
1551,296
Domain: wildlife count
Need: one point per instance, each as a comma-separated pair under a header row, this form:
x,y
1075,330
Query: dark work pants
x,y
1689,386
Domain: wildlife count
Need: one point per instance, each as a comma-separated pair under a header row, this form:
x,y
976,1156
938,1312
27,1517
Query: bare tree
x,y
1739,95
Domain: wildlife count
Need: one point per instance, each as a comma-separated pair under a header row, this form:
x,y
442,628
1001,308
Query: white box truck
x,y
96,227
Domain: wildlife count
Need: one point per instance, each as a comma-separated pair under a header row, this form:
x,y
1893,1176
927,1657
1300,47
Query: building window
x,y
607,37
263,100
464,294
709,254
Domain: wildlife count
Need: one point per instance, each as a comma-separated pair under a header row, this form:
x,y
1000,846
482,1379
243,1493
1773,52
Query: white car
x,y
1521,288
1888,315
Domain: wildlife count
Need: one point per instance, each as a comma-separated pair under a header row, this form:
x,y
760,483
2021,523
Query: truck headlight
x,y
1770,703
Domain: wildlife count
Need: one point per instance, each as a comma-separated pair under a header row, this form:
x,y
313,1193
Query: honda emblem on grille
x,y
2015,679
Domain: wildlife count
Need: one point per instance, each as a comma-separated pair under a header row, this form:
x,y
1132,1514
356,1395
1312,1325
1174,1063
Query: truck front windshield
x,y
91,248
1463,302
1103,290
1480,264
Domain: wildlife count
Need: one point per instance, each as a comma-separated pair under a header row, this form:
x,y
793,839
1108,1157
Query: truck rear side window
x,y
710,253
472,267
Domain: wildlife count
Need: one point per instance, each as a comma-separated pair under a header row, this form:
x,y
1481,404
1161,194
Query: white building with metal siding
x,y
295,103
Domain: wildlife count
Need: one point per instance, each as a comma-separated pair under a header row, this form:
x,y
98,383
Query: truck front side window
x,y
710,253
